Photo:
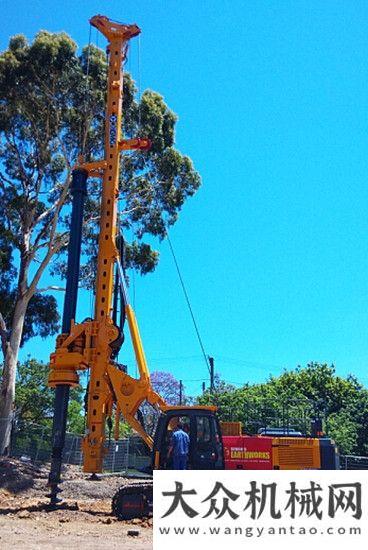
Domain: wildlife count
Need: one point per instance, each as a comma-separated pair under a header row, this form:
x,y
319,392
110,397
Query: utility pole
x,y
203,387
180,392
212,373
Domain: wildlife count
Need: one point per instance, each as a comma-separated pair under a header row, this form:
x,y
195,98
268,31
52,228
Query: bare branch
x,y
92,219
46,213
134,209
52,190
51,287
56,208
36,247
39,179
3,335
53,249
37,244
6,180
65,153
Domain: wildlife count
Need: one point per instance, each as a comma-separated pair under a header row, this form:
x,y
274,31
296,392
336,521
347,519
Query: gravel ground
x,y
84,516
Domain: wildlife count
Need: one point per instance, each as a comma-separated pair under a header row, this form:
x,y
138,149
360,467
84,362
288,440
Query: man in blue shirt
x,y
179,448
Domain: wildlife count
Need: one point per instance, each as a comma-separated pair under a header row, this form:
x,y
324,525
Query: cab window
x,y
203,431
171,427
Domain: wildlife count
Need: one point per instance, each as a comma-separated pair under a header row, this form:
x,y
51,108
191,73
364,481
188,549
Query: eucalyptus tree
x,y
52,104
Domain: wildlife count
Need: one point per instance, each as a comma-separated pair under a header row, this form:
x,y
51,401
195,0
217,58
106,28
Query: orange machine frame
x,y
88,344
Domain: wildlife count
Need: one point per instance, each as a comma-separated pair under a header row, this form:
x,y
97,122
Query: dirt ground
x,y
84,517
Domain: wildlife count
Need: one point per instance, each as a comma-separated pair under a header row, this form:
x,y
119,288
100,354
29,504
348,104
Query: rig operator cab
x,y
202,426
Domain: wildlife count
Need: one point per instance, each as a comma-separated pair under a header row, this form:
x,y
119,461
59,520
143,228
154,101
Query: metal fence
x,y
352,462
33,442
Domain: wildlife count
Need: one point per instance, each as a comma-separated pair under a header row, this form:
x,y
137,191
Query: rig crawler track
x,y
133,501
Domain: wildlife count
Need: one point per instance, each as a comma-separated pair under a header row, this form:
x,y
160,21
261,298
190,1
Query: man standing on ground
x,y
179,448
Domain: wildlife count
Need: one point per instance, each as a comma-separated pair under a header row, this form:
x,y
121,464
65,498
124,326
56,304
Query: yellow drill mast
x,y
88,345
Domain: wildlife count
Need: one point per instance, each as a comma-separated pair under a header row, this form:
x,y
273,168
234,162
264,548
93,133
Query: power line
x,y
248,364
188,301
197,380
175,360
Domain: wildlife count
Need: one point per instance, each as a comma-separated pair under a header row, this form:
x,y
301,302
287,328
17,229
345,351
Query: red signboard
x,y
247,453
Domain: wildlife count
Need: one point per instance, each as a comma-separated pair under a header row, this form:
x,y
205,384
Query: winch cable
x,y
185,292
139,84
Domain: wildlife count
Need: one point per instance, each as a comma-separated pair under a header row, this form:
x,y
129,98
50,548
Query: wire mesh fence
x,y
32,442
352,462
289,415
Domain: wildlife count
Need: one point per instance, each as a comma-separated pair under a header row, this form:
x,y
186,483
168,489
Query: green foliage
x,y
296,397
125,430
75,423
344,429
34,400
52,108
42,317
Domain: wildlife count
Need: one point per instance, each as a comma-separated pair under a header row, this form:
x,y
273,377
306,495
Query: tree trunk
x,y
7,392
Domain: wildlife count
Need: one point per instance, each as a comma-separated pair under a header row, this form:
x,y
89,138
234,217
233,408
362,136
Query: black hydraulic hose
x,y
115,298
78,191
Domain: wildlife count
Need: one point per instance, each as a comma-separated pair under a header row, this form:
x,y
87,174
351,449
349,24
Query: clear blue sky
x,y
272,104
